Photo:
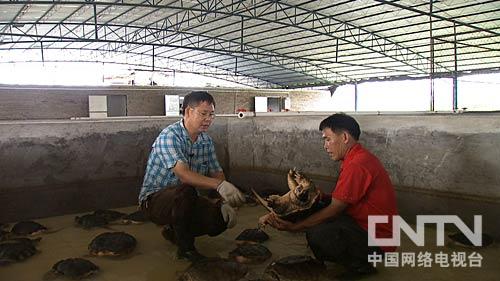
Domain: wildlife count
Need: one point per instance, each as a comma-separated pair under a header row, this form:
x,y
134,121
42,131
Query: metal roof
x,y
280,44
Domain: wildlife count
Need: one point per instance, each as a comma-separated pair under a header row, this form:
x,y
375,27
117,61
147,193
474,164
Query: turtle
x,y
252,235
109,215
460,239
23,228
74,268
16,250
250,253
112,244
91,220
296,268
302,200
136,217
214,269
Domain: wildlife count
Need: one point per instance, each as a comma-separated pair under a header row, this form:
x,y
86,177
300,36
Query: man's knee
x,y
313,237
326,242
186,193
209,218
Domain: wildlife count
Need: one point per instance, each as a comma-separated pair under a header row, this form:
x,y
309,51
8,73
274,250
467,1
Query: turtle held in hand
x,y
214,269
301,201
250,253
296,268
112,244
74,268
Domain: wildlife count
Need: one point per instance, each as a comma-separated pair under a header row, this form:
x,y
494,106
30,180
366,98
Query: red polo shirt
x,y
364,184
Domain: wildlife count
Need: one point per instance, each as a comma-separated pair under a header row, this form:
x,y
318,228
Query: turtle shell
x,y
136,217
91,220
112,244
297,267
252,235
28,228
75,268
461,240
250,253
109,215
15,251
214,269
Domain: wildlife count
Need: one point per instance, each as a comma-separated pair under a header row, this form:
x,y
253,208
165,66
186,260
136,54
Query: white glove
x,y
231,194
229,215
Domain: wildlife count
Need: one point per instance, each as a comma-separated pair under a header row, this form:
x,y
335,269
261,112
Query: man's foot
x,y
169,234
191,255
356,273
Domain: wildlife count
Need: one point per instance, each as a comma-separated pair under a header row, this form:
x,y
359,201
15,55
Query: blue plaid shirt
x,y
172,145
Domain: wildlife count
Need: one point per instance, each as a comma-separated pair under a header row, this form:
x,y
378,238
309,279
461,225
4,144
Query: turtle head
x,y
303,190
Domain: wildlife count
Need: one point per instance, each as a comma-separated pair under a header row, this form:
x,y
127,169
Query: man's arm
x,y
182,171
218,175
227,190
334,209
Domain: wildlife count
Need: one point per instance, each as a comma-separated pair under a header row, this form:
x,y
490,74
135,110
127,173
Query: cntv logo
x,y
418,236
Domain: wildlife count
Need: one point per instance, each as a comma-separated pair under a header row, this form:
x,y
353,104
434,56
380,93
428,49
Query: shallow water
x,y
154,258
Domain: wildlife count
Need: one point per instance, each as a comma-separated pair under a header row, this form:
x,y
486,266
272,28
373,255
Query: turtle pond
x,y
153,258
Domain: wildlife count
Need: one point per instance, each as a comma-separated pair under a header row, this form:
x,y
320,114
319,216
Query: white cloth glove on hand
x,y
231,194
229,215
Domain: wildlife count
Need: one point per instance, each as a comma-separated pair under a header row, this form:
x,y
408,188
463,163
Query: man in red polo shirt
x,y
338,232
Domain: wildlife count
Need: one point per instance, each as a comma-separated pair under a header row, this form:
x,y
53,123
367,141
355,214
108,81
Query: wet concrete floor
x,y
154,258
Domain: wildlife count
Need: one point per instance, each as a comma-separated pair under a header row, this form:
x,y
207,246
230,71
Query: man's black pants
x,y
341,240
189,214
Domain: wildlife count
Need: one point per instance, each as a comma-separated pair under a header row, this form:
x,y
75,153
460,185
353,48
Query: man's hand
x,y
273,220
264,220
231,194
229,215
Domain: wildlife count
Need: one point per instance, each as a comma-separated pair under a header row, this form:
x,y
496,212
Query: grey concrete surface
x,y
440,163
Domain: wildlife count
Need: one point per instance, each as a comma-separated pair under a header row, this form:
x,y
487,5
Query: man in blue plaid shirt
x,y
183,159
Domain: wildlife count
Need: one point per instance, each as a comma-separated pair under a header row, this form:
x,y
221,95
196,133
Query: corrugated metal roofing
x,y
281,44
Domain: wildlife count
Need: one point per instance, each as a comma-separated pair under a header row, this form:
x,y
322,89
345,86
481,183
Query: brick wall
x,y
44,102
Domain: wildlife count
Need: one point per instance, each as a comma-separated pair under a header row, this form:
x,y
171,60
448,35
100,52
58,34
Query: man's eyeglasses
x,y
205,115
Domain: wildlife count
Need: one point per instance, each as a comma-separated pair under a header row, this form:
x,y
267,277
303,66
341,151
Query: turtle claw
x,y
291,179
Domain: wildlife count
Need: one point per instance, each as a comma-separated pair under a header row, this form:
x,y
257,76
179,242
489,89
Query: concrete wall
x,y
441,164
50,168
58,102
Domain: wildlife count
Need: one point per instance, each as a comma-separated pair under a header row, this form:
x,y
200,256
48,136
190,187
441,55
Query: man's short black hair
x,y
194,98
341,122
